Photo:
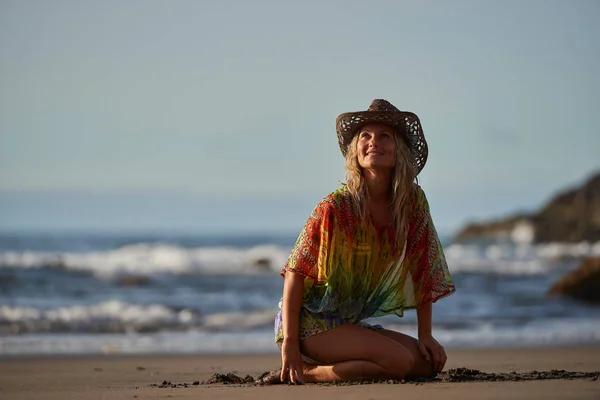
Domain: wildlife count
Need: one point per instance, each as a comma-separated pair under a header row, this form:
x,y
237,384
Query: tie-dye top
x,y
355,271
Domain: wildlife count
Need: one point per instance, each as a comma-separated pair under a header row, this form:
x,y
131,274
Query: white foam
x,y
523,232
117,316
542,333
239,321
153,258
135,343
109,316
157,258
517,258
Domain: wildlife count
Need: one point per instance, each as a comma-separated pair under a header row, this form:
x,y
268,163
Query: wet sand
x,y
529,373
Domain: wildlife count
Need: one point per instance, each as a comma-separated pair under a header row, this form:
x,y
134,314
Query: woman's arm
x,y
428,346
291,366
293,288
424,319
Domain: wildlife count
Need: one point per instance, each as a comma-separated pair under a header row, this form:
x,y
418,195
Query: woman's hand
x,y
429,347
291,362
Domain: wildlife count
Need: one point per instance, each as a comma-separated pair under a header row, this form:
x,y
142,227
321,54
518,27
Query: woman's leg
x,y
422,368
350,352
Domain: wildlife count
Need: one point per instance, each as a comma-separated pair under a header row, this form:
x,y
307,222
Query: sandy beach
x,y
129,377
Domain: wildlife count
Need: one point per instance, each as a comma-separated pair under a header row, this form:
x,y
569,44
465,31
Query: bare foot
x,y
270,378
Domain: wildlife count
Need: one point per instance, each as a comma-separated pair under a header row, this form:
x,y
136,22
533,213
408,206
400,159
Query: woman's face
x,y
376,146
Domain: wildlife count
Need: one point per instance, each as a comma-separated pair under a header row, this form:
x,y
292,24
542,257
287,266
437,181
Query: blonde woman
x,y
368,249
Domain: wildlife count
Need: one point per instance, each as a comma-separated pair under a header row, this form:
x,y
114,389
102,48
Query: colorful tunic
x,y
354,271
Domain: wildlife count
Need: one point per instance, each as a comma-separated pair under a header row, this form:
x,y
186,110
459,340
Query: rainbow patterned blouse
x,y
354,271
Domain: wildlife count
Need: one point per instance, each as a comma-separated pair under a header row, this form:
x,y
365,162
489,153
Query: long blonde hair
x,y
401,185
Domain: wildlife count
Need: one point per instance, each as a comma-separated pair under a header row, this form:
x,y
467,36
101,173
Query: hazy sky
x,y
221,115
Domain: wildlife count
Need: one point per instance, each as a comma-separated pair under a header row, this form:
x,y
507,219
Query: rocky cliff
x,y
571,216
581,284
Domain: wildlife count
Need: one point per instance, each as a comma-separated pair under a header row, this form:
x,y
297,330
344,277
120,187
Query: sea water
x,y
159,293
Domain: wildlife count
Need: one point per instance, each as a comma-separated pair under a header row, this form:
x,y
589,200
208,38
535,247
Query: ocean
x,y
165,293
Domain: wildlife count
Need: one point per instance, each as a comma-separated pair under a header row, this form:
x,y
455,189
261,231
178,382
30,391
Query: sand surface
x,y
137,377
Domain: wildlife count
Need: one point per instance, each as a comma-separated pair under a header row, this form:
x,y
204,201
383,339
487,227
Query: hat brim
x,y
404,123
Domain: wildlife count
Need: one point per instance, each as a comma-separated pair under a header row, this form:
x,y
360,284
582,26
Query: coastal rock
x,y
572,216
516,228
133,281
262,263
581,284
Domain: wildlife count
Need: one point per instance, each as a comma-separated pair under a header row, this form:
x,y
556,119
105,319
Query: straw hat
x,y
405,123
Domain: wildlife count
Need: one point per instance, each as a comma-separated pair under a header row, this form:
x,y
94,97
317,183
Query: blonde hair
x,y
401,185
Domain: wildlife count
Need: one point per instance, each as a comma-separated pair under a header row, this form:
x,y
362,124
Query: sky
x,y
207,116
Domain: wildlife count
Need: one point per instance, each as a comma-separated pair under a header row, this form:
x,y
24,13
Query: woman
x,y
368,249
